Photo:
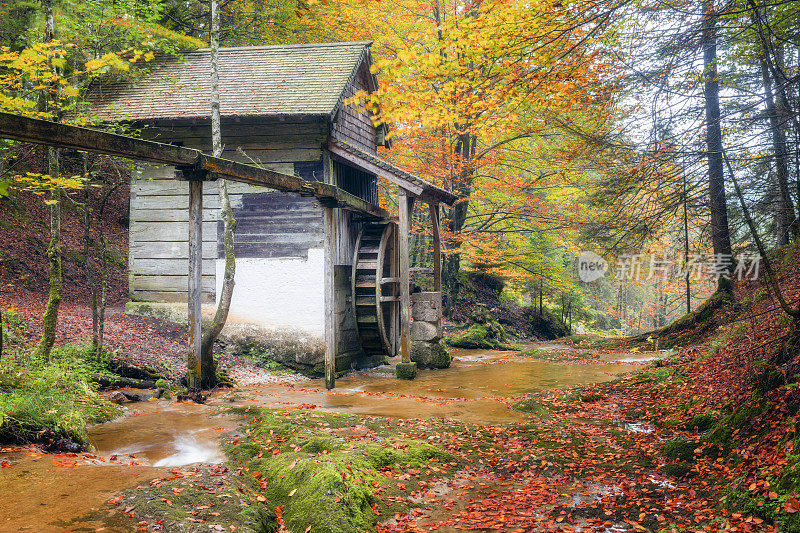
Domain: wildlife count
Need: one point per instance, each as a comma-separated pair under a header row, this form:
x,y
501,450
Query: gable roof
x,y
255,81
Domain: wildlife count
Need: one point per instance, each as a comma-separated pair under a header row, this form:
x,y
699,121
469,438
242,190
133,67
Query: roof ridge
x,y
299,45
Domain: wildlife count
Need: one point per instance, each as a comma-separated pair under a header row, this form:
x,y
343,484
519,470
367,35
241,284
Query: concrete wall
x,y
283,293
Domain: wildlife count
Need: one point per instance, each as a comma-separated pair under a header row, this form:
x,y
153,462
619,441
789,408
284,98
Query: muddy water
x,y
45,493
472,390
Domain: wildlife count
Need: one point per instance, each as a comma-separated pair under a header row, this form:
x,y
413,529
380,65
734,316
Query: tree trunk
x,y
208,368
784,210
50,318
686,245
103,253
720,233
87,265
465,150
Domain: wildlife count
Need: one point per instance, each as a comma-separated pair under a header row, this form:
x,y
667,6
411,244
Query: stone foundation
x,y
427,348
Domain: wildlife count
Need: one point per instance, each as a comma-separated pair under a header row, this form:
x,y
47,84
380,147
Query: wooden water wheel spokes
x,y
376,288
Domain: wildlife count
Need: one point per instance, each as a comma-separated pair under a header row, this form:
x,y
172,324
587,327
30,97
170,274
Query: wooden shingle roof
x,y
257,81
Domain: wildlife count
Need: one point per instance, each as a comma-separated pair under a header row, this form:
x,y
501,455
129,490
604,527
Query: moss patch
x,y
328,473
52,400
406,370
534,407
680,449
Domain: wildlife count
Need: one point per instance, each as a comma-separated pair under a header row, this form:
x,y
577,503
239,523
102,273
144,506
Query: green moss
x,y
702,422
430,354
533,406
680,449
489,335
321,471
768,380
725,336
721,437
677,469
406,370
56,395
189,504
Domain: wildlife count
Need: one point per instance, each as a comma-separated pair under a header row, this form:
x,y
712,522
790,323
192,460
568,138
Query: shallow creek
x,y
43,493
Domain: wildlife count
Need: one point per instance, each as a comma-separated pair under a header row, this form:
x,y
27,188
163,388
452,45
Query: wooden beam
x,y
437,260
437,248
375,165
253,175
372,168
406,203
194,366
330,317
55,134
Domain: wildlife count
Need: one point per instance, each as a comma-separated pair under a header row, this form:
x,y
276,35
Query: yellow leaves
x,y
38,184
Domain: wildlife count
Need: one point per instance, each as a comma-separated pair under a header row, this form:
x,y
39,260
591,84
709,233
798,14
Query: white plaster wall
x,y
278,293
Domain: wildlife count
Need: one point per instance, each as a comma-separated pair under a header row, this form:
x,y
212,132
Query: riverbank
x,y
553,438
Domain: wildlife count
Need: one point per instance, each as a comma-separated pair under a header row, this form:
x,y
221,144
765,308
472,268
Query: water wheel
x,y
376,288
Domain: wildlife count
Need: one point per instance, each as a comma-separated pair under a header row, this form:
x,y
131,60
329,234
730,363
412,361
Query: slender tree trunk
x,y
50,318
720,233
541,291
87,265
686,246
103,254
784,210
208,368
465,151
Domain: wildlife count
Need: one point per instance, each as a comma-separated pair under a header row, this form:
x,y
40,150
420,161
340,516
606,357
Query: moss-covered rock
x,y
406,370
324,480
430,354
680,449
702,422
677,469
488,335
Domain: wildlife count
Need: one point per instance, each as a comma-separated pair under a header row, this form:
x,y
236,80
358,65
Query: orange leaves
x,y
792,505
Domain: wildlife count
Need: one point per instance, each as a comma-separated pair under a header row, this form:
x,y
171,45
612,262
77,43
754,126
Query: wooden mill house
x,y
307,272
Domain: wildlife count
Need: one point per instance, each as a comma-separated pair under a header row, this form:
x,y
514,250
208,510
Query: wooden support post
x,y
404,208
437,258
195,283
330,317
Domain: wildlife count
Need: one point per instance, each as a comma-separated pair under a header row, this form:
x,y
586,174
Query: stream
x,y
43,493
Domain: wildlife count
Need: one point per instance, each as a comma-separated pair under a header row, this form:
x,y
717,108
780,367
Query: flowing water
x,y
42,493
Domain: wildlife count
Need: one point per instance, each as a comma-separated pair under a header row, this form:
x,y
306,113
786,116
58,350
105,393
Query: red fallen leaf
x,y
791,505
5,464
255,474
176,490
66,463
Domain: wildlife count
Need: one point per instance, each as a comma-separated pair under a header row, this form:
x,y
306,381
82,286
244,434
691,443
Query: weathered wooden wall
x,y
352,126
158,257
